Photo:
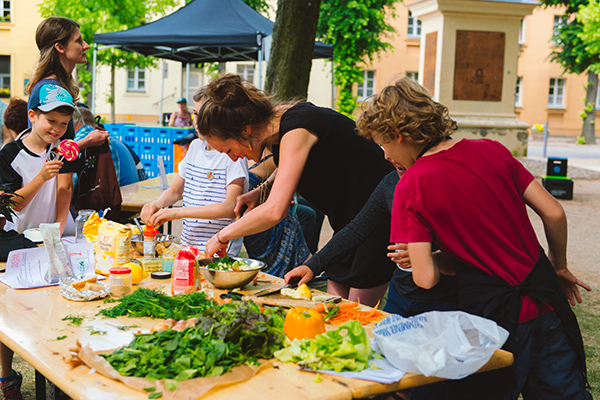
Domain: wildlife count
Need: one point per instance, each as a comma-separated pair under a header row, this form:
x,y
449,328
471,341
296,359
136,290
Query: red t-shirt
x,y
468,200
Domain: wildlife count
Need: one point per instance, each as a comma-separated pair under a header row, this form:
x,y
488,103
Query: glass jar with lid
x,y
119,281
82,216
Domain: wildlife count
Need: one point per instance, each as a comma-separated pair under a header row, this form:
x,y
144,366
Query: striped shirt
x,y
207,173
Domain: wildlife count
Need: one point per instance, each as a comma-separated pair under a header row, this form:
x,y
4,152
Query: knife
x,y
265,292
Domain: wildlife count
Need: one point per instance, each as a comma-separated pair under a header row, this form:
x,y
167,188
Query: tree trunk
x,y
589,123
113,119
294,31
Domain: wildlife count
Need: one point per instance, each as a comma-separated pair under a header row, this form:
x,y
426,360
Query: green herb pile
x,y
225,336
230,264
151,303
344,349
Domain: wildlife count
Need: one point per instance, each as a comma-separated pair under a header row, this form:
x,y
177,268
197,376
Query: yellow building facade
x,y
542,91
18,52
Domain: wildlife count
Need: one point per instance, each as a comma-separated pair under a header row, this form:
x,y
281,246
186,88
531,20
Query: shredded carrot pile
x,y
348,311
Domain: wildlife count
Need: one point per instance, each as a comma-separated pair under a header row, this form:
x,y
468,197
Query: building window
x,y
136,80
413,75
414,26
5,11
556,94
4,76
522,31
598,98
559,20
519,92
367,87
246,71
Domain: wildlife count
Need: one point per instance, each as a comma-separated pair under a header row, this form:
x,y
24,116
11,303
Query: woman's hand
x,y
148,211
303,272
250,199
214,246
399,255
569,283
164,215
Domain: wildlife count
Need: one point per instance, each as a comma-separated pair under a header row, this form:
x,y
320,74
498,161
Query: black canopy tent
x,y
202,31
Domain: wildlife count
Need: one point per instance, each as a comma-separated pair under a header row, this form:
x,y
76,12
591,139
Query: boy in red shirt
x,y
469,197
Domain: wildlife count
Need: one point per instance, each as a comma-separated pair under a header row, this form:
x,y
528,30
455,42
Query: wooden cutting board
x,y
286,301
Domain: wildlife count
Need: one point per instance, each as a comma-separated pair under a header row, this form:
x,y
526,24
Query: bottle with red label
x,y
149,240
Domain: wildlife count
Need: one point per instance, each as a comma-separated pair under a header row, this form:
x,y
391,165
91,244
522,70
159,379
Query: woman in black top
x,y
319,155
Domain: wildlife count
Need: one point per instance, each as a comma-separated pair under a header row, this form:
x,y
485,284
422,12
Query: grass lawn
x,y
588,314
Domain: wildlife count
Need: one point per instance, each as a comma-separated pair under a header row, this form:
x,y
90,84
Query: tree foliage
x,y
589,18
358,31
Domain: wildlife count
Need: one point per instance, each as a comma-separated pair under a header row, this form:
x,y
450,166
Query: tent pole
x,y
94,78
162,92
260,59
187,81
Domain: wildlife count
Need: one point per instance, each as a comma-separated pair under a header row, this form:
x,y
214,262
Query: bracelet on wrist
x,y
219,238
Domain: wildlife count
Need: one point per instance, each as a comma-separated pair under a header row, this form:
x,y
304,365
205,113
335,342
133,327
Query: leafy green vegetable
x,y
74,320
150,389
230,264
225,336
171,385
61,337
345,349
155,395
151,303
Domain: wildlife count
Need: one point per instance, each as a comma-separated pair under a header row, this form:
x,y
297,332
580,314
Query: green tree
x,y
108,16
571,52
358,31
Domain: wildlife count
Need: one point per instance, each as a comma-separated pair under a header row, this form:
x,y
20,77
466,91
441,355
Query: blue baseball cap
x,y
182,100
49,97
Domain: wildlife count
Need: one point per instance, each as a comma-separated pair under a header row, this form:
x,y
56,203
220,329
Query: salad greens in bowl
x,y
229,272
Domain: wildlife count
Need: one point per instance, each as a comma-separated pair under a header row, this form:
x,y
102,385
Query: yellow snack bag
x,y
114,241
90,227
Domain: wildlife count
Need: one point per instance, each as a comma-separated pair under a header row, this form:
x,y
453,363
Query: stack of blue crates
x,y
149,143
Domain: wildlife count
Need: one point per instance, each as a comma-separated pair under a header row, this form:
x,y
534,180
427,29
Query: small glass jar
x,y
79,222
119,281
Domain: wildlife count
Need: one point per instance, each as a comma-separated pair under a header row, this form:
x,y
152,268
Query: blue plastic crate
x,y
130,136
179,133
115,130
146,139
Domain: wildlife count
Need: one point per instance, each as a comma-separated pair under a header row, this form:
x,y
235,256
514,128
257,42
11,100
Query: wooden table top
x,y
135,195
31,321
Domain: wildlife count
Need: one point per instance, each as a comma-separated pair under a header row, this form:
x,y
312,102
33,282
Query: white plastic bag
x,y
446,344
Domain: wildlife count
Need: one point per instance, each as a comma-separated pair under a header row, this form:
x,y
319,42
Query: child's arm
x,y
555,227
166,199
172,119
64,193
425,273
48,171
210,211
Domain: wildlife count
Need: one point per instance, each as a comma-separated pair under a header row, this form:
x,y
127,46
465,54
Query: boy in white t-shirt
x,y
27,170
209,182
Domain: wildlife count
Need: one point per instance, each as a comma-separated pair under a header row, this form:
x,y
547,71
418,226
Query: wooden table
x,y
31,321
135,195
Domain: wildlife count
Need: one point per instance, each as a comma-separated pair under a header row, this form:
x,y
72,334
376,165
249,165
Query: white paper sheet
x,y
25,269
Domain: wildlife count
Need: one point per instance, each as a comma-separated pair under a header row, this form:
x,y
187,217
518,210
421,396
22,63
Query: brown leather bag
x,y
97,185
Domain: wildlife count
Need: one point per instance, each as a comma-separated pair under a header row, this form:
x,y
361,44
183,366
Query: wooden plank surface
x,y
136,195
31,323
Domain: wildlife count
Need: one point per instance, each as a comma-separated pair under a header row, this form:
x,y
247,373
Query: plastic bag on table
x,y
60,266
446,344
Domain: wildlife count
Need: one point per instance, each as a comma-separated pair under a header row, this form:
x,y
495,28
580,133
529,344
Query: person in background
x,y
125,167
470,199
15,119
29,168
319,155
4,134
209,183
182,117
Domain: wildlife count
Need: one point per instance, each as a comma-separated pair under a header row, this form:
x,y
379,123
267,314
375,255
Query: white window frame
x,y
519,92
5,77
556,93
244,69
363,91
522,30
414,75
5,13
136,80
558,21
413,29
598,98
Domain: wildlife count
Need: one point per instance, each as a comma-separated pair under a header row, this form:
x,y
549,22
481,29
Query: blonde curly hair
x,y
406,108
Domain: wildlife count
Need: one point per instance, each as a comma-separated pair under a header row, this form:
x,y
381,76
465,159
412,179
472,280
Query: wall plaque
x,y
429,62
479,65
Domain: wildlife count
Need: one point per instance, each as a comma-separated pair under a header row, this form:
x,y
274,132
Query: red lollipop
x,y
68,149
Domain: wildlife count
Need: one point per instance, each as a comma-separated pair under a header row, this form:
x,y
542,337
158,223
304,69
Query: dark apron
x,y
488,296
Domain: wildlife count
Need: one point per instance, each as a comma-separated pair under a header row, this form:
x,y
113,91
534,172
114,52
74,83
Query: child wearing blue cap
x,y
182,117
